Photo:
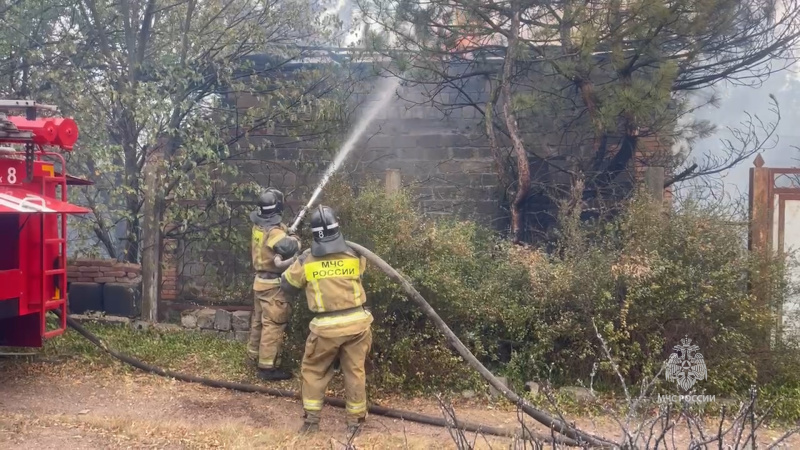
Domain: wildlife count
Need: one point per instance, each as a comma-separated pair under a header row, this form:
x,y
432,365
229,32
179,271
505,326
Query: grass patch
x,y
199,354
188,352
209,356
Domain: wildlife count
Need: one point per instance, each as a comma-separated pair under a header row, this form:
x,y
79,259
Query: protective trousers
x,y
317,372
271,313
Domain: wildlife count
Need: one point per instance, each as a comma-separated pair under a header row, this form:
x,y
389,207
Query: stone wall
x,y
436,140
227,324
441,153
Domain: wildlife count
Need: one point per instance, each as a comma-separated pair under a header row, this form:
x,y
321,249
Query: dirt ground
x,y
64,405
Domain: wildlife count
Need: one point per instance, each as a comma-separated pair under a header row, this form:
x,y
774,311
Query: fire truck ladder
x,y
59,300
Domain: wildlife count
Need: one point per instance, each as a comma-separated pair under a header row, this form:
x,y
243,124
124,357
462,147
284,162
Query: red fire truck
x,y
33,221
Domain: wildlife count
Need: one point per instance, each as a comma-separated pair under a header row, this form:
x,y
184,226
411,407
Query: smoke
x,y
345,32
734,104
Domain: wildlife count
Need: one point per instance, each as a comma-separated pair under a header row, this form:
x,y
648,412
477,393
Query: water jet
x,y
384,93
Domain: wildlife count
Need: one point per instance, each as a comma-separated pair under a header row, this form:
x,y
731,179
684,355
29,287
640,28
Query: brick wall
x,y
104,285
169,270
443,156
652,152
438,143
103,271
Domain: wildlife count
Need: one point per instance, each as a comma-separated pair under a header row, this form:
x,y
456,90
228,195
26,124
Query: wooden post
x,y
760,245
393,182
759,207
654,183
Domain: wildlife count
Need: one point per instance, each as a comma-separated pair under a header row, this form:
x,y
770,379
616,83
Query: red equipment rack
x,y
33,223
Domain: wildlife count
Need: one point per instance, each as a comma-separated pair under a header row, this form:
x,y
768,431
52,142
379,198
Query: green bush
x,y
461,269
645,279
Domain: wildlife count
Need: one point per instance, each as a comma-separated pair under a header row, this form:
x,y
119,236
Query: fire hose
x,y
569,435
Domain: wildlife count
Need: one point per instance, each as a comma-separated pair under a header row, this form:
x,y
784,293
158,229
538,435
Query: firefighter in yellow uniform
x,y
273,250
330,274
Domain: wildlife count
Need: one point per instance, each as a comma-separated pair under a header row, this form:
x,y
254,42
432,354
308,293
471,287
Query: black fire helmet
x,y
270,208
328,238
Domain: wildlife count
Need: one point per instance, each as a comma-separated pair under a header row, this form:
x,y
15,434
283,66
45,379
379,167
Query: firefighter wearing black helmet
x,y
330,274
273,250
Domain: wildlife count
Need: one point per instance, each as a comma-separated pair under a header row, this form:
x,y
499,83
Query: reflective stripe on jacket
x,y
333,289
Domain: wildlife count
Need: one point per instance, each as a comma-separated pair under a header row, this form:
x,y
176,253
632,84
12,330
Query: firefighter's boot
x,y
309,427
354,429
273,374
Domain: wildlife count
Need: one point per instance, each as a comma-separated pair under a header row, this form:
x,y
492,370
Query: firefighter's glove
x,y
287,247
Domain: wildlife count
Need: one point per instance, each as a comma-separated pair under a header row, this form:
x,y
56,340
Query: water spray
x,y
385,91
